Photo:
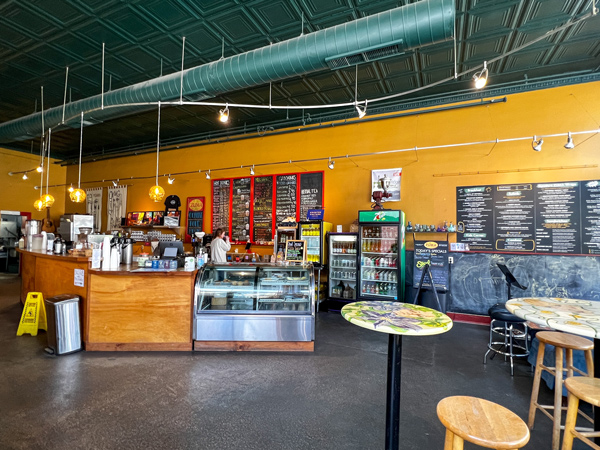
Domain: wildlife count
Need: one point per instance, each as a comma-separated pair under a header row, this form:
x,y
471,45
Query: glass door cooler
x,y
343,255
381,255
314,233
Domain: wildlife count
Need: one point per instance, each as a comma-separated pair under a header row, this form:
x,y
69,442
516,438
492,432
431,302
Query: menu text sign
x,y
558,217
295,250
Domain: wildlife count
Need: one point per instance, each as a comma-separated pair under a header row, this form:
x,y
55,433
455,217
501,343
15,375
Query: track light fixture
x,y
25,176
170,180
115,182
331,164
480,78
224,114
537,144
362,112
208,175
570,144
252,170
39,169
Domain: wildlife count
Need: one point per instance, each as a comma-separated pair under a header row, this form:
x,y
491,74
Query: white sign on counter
x,y
79,277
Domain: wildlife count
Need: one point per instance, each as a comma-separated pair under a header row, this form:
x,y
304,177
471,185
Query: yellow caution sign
x,y
34,315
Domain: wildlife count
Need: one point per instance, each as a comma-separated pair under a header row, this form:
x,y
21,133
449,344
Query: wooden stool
x,y
480,422
588,390
561,341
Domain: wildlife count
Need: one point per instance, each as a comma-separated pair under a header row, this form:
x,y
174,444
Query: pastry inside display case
x,y
231,289
283,289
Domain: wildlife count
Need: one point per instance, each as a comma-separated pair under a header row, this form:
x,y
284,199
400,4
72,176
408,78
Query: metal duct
x,y
390,32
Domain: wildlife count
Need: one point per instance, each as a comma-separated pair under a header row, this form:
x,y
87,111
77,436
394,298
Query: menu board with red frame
x,y
195,217
255,206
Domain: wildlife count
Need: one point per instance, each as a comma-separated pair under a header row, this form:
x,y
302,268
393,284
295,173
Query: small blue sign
x,y
315,214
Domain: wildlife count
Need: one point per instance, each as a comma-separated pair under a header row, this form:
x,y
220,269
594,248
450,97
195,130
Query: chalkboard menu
x,y
285,197
311,192
435,252
263,210
240,204
562,217
295,250
220,205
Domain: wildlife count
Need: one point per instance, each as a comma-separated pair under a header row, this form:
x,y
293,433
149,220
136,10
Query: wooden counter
x,y
134,310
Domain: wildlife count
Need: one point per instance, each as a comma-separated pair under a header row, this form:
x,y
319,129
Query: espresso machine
x,y
70,226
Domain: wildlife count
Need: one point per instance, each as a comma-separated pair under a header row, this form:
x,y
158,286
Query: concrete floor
x,y
332,398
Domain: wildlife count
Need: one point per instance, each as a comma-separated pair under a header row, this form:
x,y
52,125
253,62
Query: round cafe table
x,y
396,319
581,317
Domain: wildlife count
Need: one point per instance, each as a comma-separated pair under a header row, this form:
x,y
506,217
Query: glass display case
x,y
342,270
254,302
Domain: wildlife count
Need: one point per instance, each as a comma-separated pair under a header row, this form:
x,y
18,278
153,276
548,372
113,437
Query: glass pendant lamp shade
x,y
78,196
157,193
39,204
48,200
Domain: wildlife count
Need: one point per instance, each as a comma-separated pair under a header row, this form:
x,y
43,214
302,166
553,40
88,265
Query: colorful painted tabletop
x,y
580,317
397,318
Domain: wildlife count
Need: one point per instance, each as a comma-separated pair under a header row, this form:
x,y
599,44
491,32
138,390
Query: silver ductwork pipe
x,y
378,36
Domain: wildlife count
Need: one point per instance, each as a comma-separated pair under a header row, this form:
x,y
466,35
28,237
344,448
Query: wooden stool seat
x,y
565,340
480,422
588,390
563,344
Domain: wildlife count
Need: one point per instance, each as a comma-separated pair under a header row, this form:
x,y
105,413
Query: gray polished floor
x,y
332,398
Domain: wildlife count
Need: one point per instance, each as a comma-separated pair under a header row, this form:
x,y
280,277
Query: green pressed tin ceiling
x,y
39,38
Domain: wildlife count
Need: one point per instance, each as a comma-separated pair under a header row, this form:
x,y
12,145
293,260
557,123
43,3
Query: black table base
x,y
392,419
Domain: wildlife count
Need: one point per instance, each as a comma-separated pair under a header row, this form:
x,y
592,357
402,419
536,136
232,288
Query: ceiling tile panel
x,y
99,33
132,25
142,59
18,16
320,8
402,83
394,66
210,6
51,56
295,88
11,36
59,10
74,45
166,12
237,25
202,38
276,14
327,81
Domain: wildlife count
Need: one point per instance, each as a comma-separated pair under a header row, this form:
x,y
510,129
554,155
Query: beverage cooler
x,y
314,232
381,255
343,267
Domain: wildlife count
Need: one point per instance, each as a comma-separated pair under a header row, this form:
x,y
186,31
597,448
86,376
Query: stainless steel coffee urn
x,y
32,227
126,251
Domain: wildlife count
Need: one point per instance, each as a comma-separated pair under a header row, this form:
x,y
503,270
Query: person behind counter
x,y
219,247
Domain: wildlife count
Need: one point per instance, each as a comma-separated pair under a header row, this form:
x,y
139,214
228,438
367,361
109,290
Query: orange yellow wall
x,y
19,194
428,191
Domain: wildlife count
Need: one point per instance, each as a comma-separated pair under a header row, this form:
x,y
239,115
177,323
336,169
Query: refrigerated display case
x,y
282,235
342,275
381,250
315,233
254,302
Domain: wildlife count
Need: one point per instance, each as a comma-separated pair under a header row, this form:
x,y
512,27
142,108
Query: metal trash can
x,y
64,329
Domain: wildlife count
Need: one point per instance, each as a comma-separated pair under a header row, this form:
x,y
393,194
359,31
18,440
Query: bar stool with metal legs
x,y
561,342
480,422
513,329
588,390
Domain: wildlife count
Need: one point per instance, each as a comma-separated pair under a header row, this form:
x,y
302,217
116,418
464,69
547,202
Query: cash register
x,y
170,250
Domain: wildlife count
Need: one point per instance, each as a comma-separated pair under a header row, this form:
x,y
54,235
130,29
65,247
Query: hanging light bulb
x,y
208,175
39,169
170,180
224,114
78,195
537,144
480,78
156,192
71,188
331,164
39,204
48,200
252,170
25,176
570,144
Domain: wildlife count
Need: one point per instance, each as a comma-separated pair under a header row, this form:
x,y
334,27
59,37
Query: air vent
x,y
363,57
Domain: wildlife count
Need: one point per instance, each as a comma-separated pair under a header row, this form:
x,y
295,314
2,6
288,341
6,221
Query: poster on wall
x,y
392,177
195,217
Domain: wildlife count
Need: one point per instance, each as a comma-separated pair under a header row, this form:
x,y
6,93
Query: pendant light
x,y
157,192
78,195
48,199
39,203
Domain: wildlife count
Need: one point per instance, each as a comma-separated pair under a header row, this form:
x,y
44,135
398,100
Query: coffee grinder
x,y
384,184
